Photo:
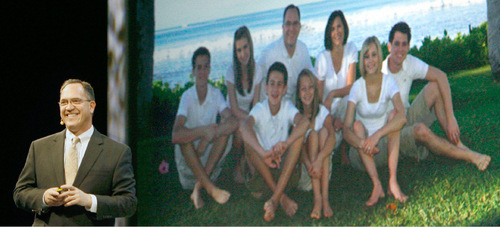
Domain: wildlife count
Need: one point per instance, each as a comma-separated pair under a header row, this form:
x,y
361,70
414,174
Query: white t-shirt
x,y
326,72
300,60
273,129
244,101
320,118
199,115
373,115
413,69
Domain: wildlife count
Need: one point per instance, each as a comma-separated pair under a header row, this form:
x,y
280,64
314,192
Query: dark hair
x,y
291,6
400,27
89,91
278,66
198,52
328,29
243,32
316,99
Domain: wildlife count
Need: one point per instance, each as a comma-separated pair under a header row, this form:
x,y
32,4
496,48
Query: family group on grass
x,y
284,117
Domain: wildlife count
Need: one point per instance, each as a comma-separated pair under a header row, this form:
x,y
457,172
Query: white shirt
x,y
320,118
273,129
326,72
412,69
373,115
276,52
197,114
244,101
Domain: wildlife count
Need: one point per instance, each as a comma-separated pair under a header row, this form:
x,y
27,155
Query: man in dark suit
x,y
77,176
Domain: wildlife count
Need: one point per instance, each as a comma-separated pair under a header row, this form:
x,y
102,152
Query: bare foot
x,y
288,205
395,191
377,193
196,197
270,208
316,212
327,209
482,161
221,196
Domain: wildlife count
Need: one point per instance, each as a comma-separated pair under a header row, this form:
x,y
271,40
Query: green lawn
x,y
441,191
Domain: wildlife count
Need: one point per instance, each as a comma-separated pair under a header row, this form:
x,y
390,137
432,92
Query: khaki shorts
x,y
418,112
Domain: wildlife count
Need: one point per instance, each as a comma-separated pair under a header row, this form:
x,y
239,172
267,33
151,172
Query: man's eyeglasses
x,y
75,102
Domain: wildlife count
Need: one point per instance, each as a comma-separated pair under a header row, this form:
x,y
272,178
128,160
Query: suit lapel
x,y
94,149
58,157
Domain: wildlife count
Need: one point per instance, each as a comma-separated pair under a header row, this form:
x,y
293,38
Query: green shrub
x,y
463,52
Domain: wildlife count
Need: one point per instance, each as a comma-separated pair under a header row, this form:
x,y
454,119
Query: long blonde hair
x,y
316,99
364,49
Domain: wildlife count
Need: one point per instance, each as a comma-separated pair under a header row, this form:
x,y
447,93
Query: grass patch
x,y
441,191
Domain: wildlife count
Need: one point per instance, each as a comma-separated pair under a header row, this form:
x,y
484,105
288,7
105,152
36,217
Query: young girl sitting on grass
x,y
318,145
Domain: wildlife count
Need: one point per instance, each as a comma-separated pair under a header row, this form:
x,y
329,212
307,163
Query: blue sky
x,y
172,13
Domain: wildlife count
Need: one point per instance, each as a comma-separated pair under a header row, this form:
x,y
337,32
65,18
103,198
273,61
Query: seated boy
x,y
200,142
265,134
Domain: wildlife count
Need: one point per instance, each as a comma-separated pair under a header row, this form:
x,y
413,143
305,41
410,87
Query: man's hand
x,y
210,132
74,196
452,130
279,148
338,124
52,197
271,159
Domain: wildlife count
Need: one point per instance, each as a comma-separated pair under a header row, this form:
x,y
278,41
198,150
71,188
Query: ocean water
x,y
174,46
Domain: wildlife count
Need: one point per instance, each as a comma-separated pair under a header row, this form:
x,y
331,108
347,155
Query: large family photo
x,y
289,138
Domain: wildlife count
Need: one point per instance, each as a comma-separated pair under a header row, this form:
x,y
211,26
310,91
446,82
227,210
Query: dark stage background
x,y
43,43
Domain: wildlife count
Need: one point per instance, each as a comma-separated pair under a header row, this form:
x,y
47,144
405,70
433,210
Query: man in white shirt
x,y
200,141
432,103
265,134
77,176
288,50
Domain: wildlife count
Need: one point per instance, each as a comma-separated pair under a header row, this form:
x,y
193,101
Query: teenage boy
x,y
289,50
266,136
201,142
431,104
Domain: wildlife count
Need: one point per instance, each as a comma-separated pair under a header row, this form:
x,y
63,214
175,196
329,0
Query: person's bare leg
x,y
313,148
393,141
219,195
371,169
444,147
199,172
434,100
288,205
238,154
261,167
343,154
325,181
325,176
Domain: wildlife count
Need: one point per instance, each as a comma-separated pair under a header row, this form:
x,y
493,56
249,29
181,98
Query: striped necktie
x,y
71,163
